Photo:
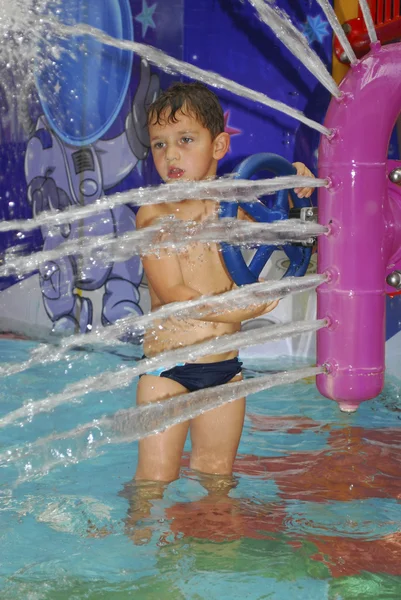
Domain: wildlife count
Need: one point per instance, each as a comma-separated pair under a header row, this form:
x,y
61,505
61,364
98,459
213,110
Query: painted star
x,y
315,29
227,128
146,17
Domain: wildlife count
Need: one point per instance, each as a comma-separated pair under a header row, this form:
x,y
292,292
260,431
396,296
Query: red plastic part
x,y
387,18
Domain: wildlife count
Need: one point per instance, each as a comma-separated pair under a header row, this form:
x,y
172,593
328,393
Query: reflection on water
x,y
312,511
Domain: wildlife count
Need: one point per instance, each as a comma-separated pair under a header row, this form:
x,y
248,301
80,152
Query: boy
x,y
186,127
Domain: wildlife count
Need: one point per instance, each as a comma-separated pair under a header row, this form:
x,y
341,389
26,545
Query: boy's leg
x,y
160,454
141,496
215,436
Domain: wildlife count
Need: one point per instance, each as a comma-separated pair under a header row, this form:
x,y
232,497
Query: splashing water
x,y
130,425
367,15
22,30
338,30
111,380
293,39
19,21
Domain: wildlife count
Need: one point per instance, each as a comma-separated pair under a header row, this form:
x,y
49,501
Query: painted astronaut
x,y
60,175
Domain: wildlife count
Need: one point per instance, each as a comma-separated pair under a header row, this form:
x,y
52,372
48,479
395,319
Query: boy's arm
x,y
165,276
163,270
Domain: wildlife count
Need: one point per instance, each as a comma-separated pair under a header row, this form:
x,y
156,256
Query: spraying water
x,y
266,291
120,427
111,380
28,24
224,189
338,30
367,15
167,234
174,66
239,298
133,424
293,39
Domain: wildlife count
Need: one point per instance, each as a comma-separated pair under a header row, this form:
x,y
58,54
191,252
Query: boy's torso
x,y
203,270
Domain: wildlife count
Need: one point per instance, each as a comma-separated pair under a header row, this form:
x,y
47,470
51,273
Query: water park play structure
x,y
313,506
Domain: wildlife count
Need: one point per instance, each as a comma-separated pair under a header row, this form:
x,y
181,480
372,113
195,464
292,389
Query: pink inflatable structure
x,y
362,207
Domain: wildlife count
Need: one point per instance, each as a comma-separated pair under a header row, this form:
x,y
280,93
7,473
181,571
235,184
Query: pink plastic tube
x,y
365,228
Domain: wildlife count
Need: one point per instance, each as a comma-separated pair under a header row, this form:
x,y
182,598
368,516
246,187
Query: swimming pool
x,y
314,512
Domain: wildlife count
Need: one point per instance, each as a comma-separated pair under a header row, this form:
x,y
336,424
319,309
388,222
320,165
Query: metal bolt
x,y
395,176
394,279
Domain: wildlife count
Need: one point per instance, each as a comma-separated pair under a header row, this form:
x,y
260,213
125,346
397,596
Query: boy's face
x,y
185,150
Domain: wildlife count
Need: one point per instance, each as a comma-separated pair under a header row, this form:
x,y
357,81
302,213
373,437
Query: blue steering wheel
x,y
299,256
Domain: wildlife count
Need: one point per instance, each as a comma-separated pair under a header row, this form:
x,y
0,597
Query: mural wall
x,y
78,133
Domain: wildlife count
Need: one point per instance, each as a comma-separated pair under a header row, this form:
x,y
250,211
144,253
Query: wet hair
x,y
192,99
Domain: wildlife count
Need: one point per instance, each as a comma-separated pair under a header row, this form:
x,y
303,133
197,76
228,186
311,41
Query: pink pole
x,y
363,235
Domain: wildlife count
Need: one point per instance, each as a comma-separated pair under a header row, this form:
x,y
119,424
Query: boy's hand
x,y
271,306
304,172
258,310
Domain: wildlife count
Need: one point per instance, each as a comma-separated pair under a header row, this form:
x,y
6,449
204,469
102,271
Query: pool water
x,y
313,513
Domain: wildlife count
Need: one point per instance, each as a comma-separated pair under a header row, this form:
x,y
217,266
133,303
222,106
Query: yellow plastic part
x,y
345,10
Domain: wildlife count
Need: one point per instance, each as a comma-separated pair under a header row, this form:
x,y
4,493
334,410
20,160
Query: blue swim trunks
x,y
198,376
